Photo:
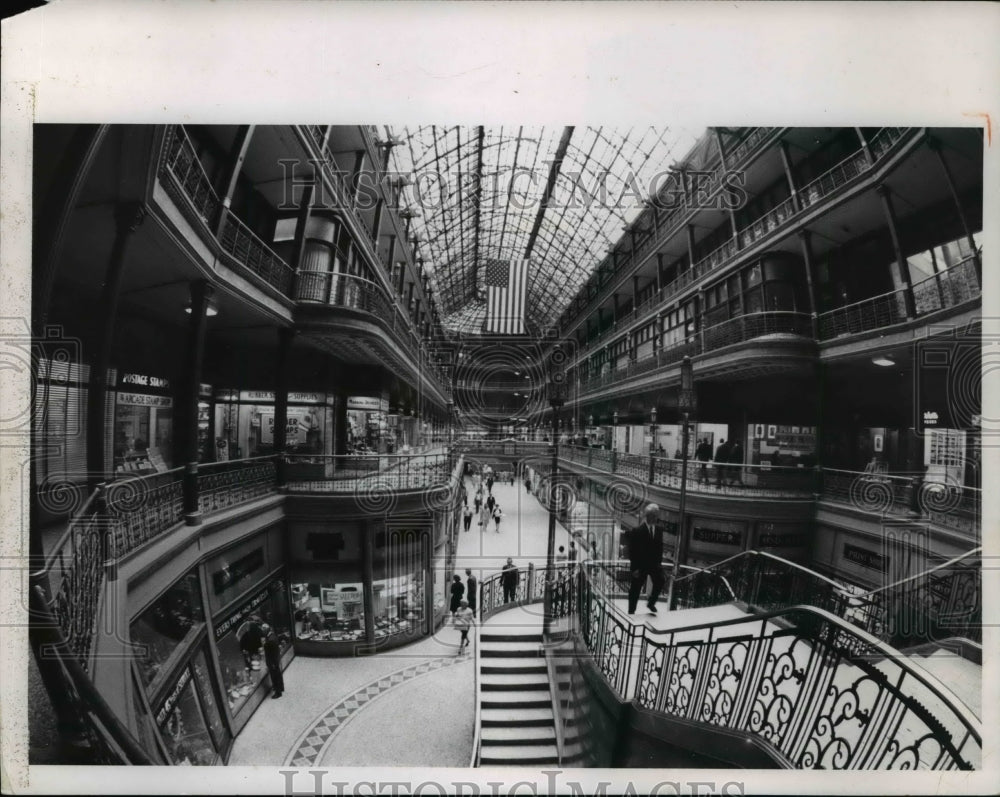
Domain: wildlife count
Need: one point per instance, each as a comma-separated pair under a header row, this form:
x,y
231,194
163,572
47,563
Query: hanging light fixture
x,y
884,360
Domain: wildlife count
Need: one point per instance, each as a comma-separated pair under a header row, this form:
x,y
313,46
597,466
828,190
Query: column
x,y
299,243
864,145
935,145
285,338
805,237
128,217
659,271
690,243
237,154
901,270
359,162
615,299
786,162
367,576
722,149
201,292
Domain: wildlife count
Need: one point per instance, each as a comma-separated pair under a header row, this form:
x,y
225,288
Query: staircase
x,y
518,727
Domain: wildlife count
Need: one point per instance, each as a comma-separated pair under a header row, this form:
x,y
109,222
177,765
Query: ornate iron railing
x,y
372,478
247,251
141,509
953,286
85,718
821,693
189,182
72,577
226,484
940,603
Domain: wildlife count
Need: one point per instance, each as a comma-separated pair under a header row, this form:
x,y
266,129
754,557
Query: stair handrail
x,y
478,716
775,558
854,637
866,596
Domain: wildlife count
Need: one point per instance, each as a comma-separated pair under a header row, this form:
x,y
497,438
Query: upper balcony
x,y
853,173
231,242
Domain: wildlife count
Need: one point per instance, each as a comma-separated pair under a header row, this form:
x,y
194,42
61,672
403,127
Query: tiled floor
x,y
387,710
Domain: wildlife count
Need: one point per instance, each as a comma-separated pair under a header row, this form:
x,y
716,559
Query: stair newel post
x,y
531,582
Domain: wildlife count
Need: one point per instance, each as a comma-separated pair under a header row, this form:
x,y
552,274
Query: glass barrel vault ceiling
x,y
559,196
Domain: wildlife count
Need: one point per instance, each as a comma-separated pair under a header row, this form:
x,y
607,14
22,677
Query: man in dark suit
x,y
645,555
508,579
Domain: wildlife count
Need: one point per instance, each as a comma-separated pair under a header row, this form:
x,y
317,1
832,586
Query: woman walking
x,y
457,593
463,620
497,514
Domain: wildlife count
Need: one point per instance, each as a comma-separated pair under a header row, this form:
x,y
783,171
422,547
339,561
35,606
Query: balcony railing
x,y
906,496
735,330
371,478
222,485
182,164
250,252
801,679
953,286
876,312
141,509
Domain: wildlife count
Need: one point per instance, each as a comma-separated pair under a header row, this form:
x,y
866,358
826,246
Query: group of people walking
x,y
728,462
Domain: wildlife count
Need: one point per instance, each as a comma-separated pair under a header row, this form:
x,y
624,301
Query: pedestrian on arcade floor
x,y
467,517
457,592
471,588
463,620
497,516
272,658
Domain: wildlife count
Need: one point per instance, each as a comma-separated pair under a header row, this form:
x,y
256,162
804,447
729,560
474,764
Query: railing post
x,y
530,590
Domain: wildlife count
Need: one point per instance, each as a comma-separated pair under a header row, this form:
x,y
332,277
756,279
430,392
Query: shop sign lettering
x,y
865,558
171,701
247,608
716,536
145,381
142,400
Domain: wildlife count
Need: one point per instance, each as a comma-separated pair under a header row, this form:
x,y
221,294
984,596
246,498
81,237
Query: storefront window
x,y
240,641
244,424
368,425
329,611
182,726
203,683
159,630
399,604
143,426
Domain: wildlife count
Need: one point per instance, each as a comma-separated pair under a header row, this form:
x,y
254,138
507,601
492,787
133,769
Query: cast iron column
x,y
201,292
687,404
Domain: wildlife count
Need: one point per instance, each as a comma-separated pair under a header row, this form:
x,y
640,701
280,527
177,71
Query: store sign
x,y
865,558
204,391
143,400
772,540
367,403
225,394
247,608
175,693
716,536
257,395
144,380
306,398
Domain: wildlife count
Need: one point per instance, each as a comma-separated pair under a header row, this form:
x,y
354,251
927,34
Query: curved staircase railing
x,y
821,692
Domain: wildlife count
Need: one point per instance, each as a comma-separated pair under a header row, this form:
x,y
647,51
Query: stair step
x,y
515,700
511,667
530,638
523,686
519,755
529,650
527,680
532,734
520,717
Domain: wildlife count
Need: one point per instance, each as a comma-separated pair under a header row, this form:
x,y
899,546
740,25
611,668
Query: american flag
x,y
506,283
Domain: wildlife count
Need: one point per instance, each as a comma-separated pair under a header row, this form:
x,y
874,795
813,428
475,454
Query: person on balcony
x,y
736,464
645,555
471,588
721,462
703,454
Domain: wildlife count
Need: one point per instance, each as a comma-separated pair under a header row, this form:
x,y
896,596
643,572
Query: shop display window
x,y
143,437
244,430
398,604
158,631
203,683
143,723
329,611
240,642
182,726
